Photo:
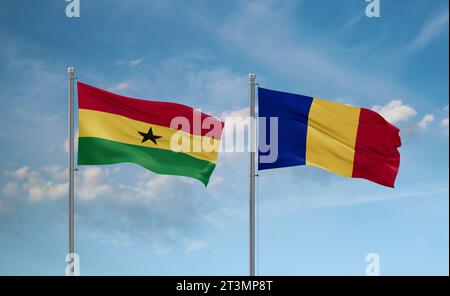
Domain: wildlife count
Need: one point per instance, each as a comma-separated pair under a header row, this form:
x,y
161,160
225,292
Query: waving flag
x,y
115,129
345,140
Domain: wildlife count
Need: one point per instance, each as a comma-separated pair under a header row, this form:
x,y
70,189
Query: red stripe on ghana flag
x,y
159,113
376,155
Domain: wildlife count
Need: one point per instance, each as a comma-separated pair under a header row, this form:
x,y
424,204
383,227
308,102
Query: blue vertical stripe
x,y
292,111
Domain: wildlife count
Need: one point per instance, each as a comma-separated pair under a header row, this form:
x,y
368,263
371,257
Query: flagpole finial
x,y
252,76
71,71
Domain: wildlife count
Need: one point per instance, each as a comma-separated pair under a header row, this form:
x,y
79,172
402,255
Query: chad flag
x,y
345,140
166,138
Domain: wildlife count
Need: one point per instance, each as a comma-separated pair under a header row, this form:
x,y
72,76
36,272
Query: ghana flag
x,y
165,138
345,140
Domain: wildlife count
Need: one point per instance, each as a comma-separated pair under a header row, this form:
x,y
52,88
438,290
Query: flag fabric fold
x,y
115,129
345,140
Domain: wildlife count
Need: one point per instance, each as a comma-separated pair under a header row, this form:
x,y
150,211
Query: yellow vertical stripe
x,y
331,136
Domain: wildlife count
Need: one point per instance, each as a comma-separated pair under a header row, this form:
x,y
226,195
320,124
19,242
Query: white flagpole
x,y
71,249
252,78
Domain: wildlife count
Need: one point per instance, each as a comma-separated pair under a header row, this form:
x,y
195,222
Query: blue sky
x,y
130,221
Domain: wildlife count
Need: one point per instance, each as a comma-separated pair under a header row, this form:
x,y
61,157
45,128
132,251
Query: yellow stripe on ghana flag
x,y
331,136
125,130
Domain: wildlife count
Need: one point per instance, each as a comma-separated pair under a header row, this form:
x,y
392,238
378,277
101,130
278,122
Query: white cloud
x,y
246,31
189,79
162,249
338,195
215,180
425,122
56,172
338,199
120,239
35,187
135,62
91,184
10,189
158,208
66,143
119,86
21,172
122,62
217,85
237,123
353,21
39,190
39,187
430,30
444,122
395,111
193,245
151,189
243,112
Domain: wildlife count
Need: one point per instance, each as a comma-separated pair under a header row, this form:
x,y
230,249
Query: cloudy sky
x,y
130,221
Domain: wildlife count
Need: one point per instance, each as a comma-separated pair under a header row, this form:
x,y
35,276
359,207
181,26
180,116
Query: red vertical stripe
x,y
376,155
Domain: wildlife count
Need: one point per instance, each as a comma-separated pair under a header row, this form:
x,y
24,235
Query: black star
x,y
149,136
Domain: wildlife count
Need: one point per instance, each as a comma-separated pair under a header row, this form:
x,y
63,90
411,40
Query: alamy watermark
x,y
373,8
200,135
73,8
73,264
373,266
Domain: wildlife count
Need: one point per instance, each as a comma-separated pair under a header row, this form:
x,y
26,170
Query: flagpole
x,y
71,249
252,77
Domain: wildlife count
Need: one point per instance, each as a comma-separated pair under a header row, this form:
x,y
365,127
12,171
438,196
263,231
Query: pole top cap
x,y
251,76
70,70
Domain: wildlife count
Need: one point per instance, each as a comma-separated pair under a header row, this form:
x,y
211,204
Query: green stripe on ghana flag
x,y
97,151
